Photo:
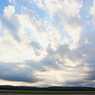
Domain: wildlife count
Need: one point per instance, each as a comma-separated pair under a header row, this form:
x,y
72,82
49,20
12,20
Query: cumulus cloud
x,y
9,11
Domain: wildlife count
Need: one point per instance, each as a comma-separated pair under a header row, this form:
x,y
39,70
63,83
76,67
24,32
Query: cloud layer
x,y
47,42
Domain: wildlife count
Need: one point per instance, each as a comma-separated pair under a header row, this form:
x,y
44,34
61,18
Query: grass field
x,y
46,92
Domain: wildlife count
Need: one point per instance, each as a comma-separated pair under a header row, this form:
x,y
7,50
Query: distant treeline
x,y
47,88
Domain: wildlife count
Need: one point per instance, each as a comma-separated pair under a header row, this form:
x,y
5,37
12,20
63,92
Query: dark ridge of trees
x,y
52,88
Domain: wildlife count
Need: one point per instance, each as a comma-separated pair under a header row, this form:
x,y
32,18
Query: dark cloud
x,y
90,73
91,76
12,72
90,84
12,25
75,83
19,77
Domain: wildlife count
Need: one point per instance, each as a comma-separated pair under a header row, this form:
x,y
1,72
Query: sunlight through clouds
x,y
47,43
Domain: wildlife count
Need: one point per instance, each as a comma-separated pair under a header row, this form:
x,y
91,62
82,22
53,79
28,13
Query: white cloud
x,y
68,11
14,28
9,11
12,2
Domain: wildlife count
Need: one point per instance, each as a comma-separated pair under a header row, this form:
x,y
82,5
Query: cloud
x,y
35,45
12,2
63,49
17,72
12,27
49,63
92,12
36,65
53,50
10,22
68,12
9,11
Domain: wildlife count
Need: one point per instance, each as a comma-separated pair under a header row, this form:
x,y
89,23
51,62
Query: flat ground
x,y
47,94
17,92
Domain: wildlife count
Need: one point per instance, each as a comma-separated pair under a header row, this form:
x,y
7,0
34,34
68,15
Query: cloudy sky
x,y
47,42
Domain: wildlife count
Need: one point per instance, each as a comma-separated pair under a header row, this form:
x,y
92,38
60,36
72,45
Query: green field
x,y
46,92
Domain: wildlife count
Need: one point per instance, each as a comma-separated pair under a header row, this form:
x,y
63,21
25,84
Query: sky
x,y
47,43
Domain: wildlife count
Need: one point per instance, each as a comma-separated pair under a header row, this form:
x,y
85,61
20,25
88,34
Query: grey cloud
x,y
90,74
43,65
12,25
84,54
19,77
75,83
75,21
90,84
50,51
37,52
12,72
35,65
59,54
87,48
36,45
63,49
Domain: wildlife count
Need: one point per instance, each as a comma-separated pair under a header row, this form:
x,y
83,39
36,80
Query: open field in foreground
x,y
46,92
